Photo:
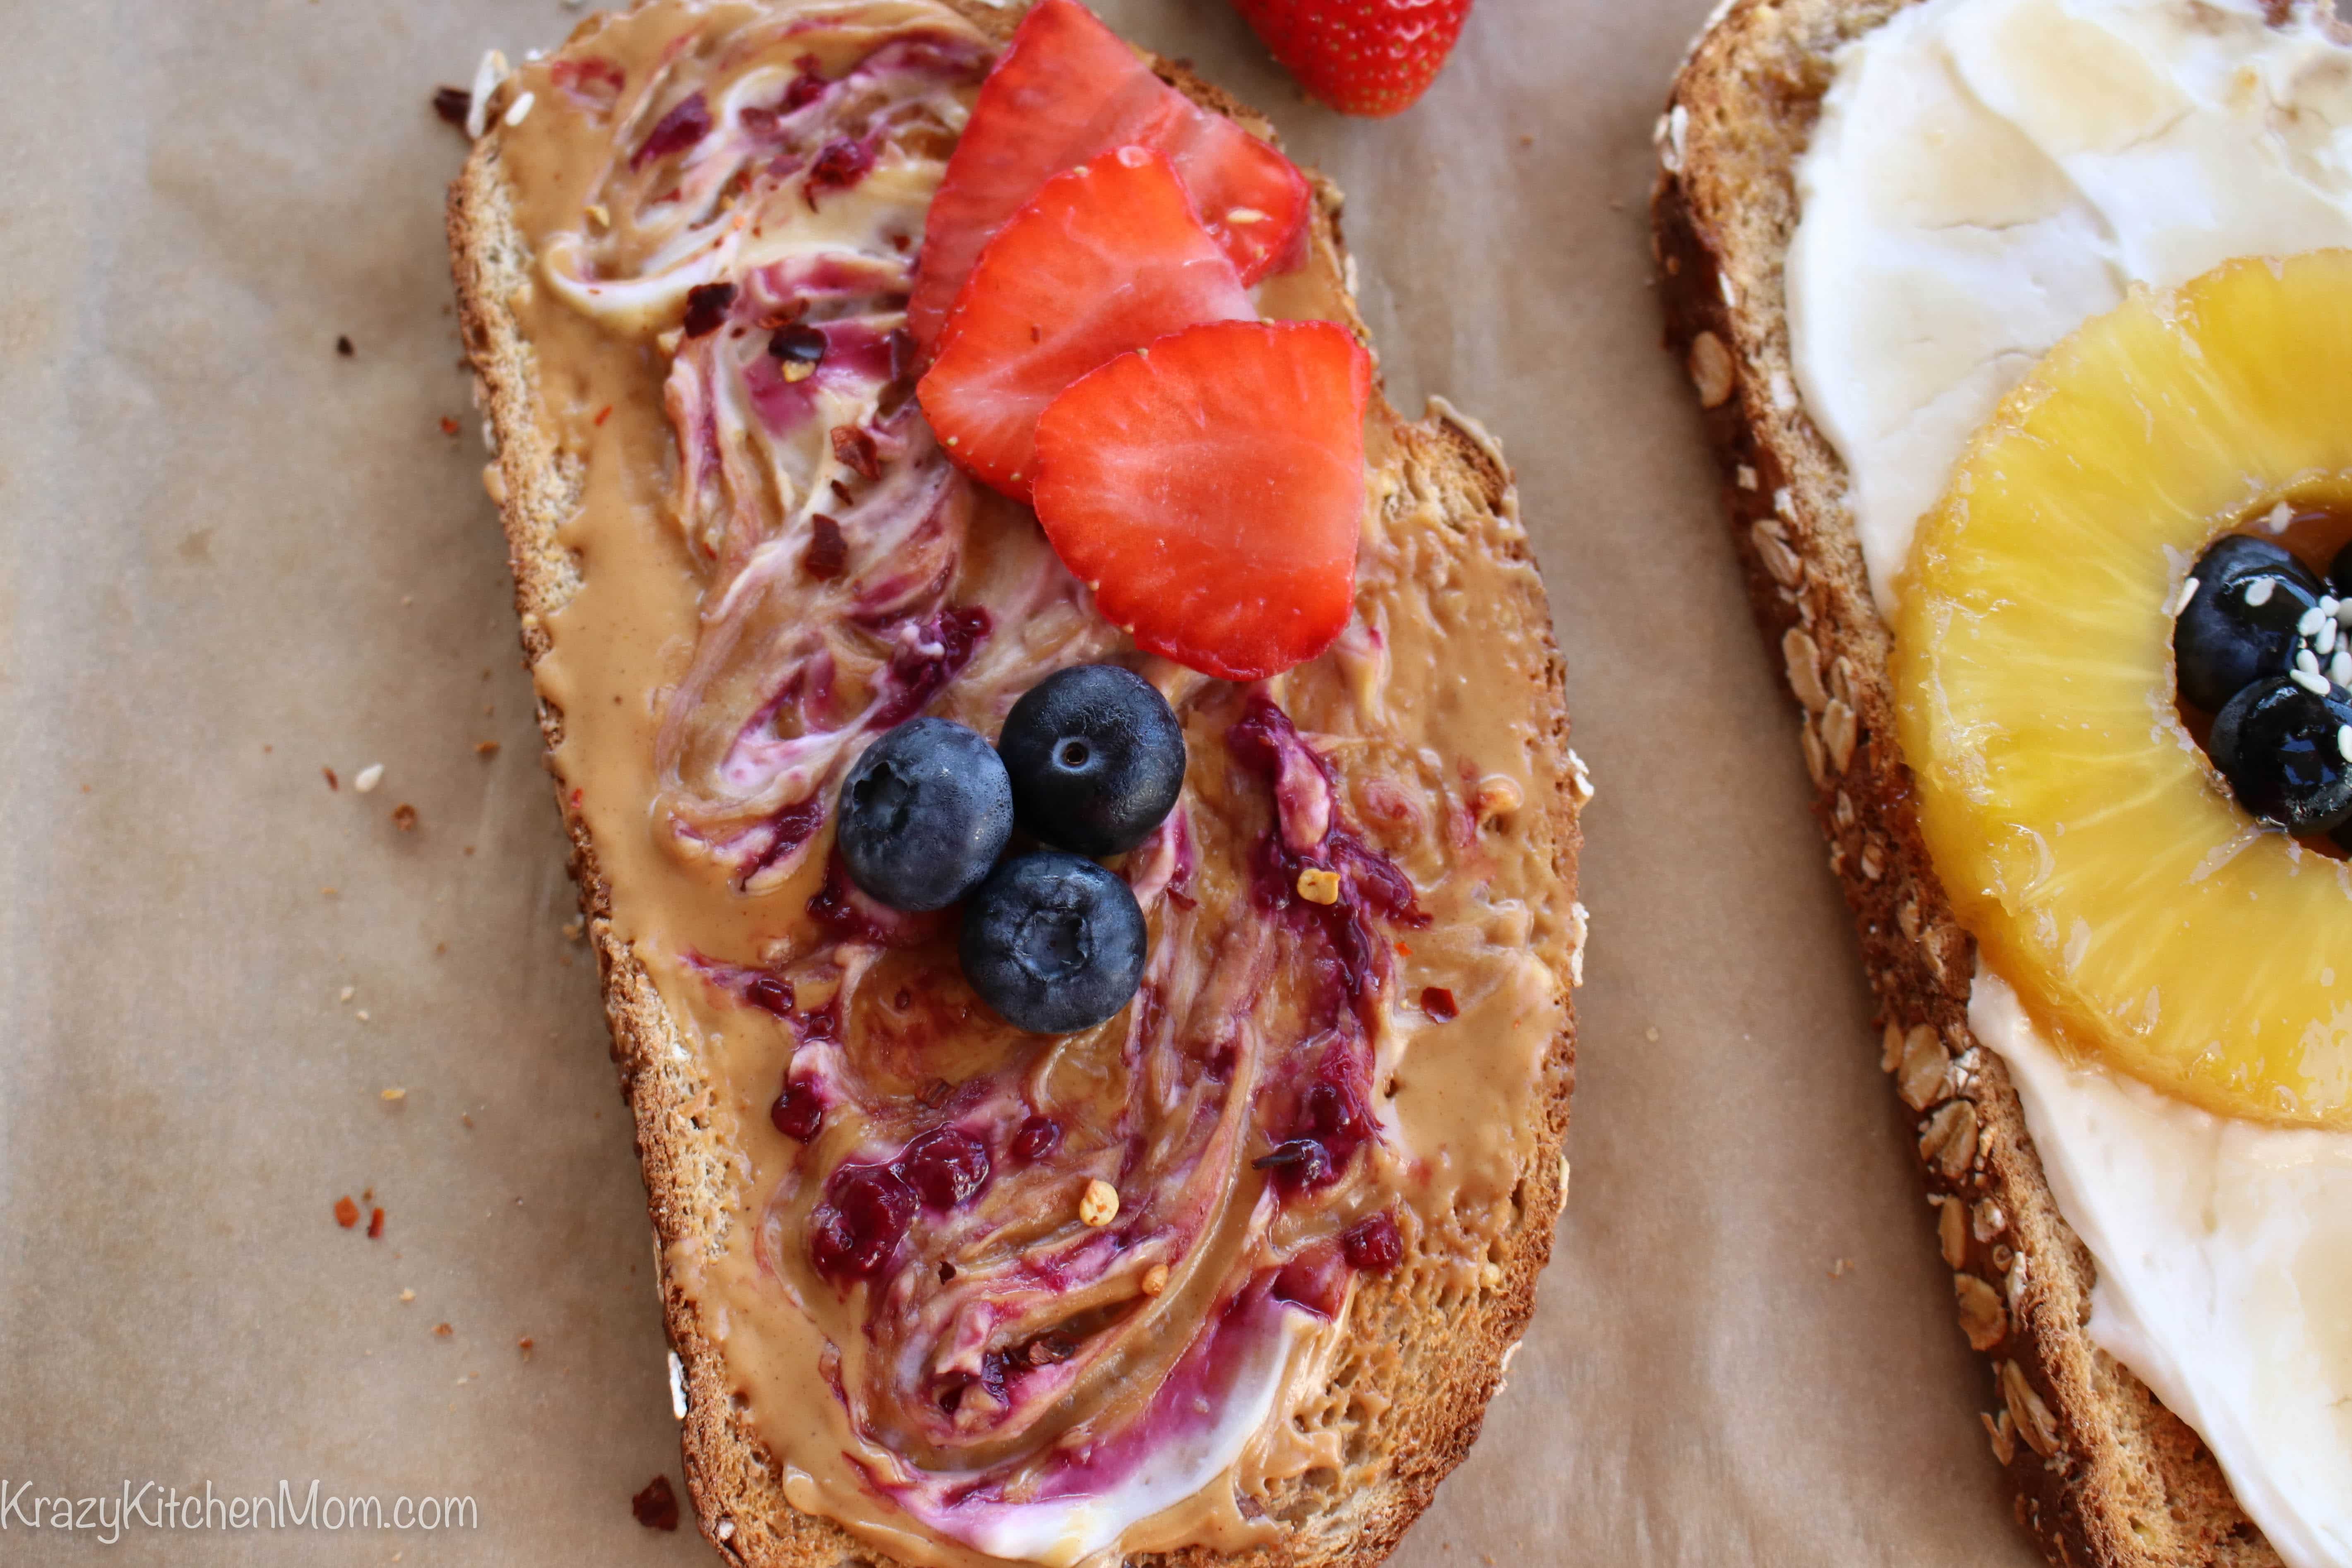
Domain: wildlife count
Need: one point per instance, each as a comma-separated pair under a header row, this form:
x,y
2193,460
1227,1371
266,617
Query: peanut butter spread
x,y
989,1294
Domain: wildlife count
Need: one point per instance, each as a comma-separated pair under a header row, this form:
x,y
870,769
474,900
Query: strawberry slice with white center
x,y
1107,258
1066,90
1209,487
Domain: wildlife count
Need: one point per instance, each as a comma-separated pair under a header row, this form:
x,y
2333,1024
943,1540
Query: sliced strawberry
x,y
1210,487
1107,258
1065,90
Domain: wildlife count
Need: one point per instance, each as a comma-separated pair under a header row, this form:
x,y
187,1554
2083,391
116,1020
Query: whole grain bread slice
x,y
2103,1473
1409,1389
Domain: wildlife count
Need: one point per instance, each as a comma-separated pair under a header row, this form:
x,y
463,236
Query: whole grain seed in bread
x,y
1376,1414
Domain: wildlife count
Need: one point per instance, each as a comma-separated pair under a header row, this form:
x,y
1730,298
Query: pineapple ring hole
x,y
2317,523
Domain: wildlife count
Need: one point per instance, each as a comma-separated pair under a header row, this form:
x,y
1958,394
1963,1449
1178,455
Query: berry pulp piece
x,y
856,1231
1372,1245
1096,756
1210,487
1066,89
1107,256
945,1166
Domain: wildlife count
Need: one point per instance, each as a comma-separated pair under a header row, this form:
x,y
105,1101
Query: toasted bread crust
x,y
1435,1392
2103,1474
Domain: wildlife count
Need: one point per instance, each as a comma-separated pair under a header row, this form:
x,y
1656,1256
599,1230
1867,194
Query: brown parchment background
x,y
229,557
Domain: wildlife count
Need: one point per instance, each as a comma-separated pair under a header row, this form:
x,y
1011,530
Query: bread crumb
x,y
1099,1204
395,1094
404,816
1842,1268
368,777
1319,886
348,993
1155,1279
408,1295
1651,1033
442,1330
573,928
486,747
332,782
361,1014
326,892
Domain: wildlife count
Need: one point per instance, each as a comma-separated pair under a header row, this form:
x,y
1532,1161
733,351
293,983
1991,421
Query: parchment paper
x,y
233,557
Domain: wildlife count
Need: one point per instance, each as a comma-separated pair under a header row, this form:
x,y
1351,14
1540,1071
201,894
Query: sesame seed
x,y
2307,661
2343,741
369,777
2327,636
2257,592
2187,592
2309,682
521,108
2309,625
2281,515
2339,668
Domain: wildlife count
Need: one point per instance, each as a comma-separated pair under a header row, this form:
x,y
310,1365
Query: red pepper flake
x,y
332,782
347,1213
376,1225
1438,1003
486,747
656,1506
854,449
602,413
404,816
442,1330
707,305
827,550
524,1344
453,104
448,426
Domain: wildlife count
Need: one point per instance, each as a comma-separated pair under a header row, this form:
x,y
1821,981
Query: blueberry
x,y
2238,625
924,814
1054,942
1097,758
2281,747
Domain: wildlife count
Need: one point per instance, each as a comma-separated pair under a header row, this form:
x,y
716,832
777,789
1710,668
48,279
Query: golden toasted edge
x,y
1432,1417
2103,1473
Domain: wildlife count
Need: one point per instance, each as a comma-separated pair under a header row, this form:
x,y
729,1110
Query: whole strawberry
x,y
1360,56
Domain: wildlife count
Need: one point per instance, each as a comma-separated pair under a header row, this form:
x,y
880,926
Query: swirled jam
x,y
940,1346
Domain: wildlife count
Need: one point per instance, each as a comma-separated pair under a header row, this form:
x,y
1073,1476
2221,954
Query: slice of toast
x,y
1424,1351
2103,1473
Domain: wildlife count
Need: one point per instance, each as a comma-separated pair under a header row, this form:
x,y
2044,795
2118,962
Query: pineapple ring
x,y
2086,841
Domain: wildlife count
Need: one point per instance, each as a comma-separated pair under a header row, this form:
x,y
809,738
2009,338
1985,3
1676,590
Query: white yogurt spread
x,y
2225,1271
1989,175
1986,177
